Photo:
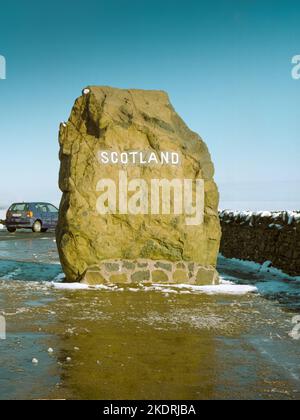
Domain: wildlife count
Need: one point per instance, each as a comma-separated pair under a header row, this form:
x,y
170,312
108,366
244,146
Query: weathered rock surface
x,y
105,118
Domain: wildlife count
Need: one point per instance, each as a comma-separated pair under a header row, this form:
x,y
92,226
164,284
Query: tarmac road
x,y
24,235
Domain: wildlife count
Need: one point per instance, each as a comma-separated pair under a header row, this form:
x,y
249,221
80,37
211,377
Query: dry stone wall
x,y
263,236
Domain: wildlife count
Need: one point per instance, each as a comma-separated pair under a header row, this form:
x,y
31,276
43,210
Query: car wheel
x,y
37,227
11,229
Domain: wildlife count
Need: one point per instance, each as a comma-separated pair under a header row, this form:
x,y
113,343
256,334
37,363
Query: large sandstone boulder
x,y
117,247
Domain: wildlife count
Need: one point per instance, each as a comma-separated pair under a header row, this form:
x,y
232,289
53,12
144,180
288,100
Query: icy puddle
x,y
143,342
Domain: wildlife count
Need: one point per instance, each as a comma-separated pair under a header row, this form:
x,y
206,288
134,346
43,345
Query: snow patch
x,y
60,277
225,288
266,267
70,286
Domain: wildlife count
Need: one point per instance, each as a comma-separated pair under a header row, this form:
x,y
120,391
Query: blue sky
x,y
225,64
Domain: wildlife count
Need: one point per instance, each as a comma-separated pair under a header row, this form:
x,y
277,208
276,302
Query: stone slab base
x,y
149,271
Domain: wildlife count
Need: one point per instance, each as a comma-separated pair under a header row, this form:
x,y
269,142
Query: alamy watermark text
x,y
296,68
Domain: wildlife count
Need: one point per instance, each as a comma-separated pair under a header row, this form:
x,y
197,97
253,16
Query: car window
x,y
41,208
52,209
19,207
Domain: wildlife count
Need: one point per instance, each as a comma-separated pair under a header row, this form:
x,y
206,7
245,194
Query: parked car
x,y
36,216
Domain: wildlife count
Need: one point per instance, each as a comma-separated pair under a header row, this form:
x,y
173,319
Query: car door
x,y
44,215
53,214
